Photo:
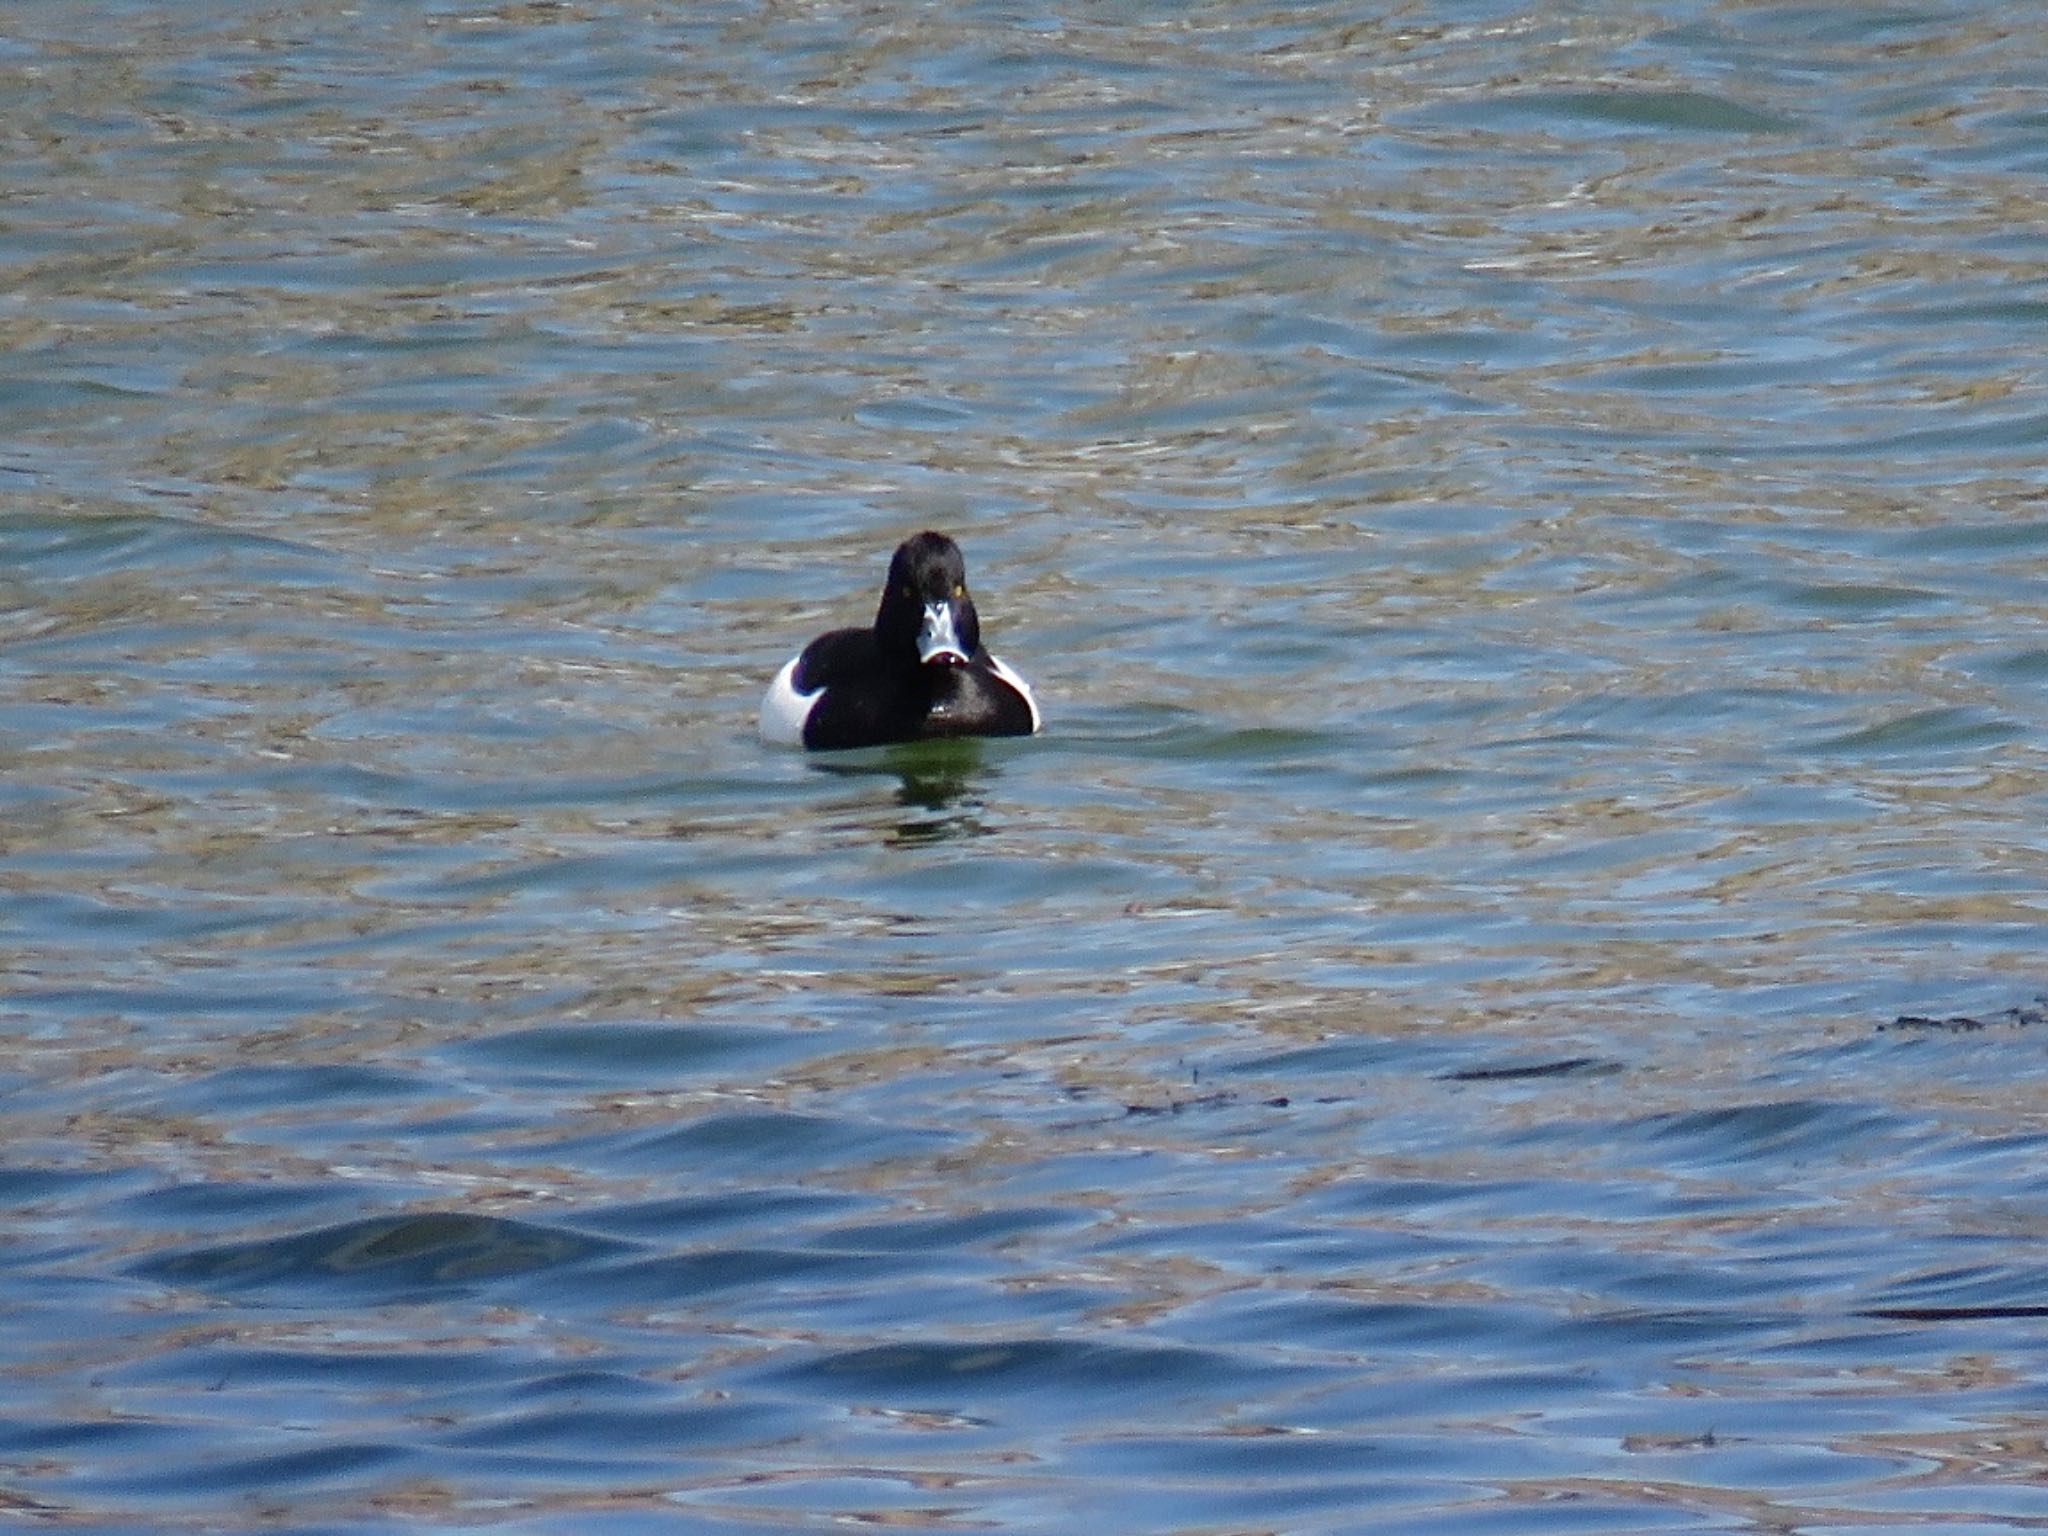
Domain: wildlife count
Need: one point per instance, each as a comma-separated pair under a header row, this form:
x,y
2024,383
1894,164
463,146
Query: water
x,y
1527,521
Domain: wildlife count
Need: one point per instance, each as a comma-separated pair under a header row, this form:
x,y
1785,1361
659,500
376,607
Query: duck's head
x,y
925,607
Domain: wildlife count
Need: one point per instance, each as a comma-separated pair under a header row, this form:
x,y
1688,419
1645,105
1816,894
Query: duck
x,y
920,672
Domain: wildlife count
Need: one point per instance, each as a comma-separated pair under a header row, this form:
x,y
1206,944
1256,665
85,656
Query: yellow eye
x,y
959,589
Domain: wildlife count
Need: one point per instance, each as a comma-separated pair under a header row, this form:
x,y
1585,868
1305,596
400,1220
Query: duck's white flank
x,y
784,710
995,665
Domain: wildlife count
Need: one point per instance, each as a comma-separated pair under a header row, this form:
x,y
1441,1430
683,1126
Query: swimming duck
x,y
920,672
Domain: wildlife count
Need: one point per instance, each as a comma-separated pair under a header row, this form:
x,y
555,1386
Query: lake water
x,y
1529,524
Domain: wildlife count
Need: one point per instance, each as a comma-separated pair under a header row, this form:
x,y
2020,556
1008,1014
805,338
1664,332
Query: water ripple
x,y
1526,524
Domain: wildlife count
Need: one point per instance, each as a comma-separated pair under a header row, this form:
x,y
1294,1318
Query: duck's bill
x,y
938,642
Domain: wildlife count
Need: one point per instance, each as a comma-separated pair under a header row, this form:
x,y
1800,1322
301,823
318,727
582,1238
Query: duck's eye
x,y
959,589
909,591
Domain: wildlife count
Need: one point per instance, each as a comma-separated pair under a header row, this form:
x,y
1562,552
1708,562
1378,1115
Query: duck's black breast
x,y
979,699
851,695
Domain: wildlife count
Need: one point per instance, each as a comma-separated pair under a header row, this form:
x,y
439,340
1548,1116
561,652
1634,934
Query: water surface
x,y
1529,524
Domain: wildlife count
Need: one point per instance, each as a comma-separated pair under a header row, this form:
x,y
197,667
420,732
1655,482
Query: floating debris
x,y
1965,1023
1515,1071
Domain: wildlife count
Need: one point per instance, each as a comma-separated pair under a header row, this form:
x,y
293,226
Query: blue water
x,y
1504,1000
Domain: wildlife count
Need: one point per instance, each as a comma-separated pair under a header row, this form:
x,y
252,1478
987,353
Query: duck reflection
x,y
940,780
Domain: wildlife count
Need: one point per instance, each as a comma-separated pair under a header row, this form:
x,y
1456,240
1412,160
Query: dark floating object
x,y
1203,1101
2023,1017
1512,1072
920,672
